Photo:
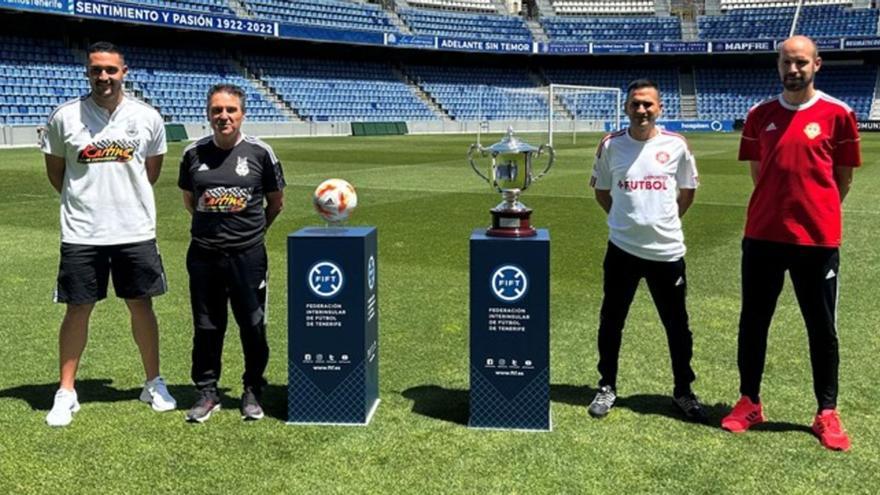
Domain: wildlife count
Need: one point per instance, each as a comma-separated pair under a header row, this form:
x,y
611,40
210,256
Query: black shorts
x,y
85,270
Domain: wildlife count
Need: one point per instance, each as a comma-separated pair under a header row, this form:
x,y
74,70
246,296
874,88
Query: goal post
x,y
572,108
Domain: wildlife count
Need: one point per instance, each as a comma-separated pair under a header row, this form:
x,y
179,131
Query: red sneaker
x,y
827,427
744,415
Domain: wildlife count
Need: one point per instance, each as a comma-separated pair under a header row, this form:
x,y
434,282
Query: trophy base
x,y
511,223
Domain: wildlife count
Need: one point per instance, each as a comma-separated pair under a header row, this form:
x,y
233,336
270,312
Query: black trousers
x,y
814,276
239,279
668,285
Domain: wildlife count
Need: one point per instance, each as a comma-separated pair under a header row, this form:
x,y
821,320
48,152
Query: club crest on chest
x,y
241,166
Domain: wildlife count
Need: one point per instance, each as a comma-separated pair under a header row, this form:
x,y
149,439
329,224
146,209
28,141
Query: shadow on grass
x,y
40,396
445,404
274,401
661,405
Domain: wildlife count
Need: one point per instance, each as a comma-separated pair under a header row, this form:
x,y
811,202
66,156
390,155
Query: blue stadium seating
x,y
336,90
582,29
177,81
464,25
323,13
815,21
35,77
466,93
729,93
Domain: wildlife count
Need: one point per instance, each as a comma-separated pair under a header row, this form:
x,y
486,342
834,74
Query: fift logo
x,y
325,279
509,283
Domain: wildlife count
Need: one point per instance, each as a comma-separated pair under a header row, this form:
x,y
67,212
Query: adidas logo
x,y
771,127
202,168
830,275
679,282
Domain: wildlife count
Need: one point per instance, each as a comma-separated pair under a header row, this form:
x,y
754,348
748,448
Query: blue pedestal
x,y
333,326
509,332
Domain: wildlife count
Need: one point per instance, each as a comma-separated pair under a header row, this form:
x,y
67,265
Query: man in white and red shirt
x,y
802,147
645,179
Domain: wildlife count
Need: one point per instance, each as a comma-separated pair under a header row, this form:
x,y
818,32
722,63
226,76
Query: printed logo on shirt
x,y
224,200
108,150
771,127
202,168
662,157
812,130
131,129
241,166
648,183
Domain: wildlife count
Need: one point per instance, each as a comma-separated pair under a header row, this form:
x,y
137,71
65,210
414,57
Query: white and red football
x,y
334,200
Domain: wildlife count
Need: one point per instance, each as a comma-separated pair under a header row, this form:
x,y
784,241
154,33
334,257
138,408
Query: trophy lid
x,y
511,144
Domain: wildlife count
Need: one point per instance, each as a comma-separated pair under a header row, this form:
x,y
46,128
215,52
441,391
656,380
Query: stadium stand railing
x,y
604,7
468,5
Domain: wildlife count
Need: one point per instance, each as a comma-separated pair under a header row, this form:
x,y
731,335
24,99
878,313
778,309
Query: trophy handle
x,y
477,147
549,163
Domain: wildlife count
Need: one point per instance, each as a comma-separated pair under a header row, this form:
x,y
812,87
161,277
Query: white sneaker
x,y
156,394
63,408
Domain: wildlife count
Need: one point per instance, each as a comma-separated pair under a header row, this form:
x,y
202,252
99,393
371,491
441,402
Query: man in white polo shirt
x,y
103,153
645,179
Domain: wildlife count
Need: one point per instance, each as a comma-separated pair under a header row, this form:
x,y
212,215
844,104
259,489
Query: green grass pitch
x,y
425,201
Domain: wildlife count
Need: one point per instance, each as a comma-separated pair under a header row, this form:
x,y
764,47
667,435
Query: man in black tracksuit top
x,y
232,185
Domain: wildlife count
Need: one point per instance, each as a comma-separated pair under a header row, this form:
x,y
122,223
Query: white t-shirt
x,y
106,197
644,178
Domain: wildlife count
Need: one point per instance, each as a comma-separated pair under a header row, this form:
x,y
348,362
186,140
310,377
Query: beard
x,y
796,83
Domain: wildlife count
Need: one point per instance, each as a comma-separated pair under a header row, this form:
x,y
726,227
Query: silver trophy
x,y
510,173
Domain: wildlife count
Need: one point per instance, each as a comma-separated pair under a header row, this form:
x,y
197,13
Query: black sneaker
x,y
603,402
250,405
202,409
691,408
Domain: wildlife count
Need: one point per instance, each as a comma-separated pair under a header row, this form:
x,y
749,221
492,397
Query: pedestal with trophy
x,y
510,300
332,314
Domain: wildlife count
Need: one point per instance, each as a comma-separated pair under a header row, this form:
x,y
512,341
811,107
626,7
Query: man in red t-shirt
x,y
802,147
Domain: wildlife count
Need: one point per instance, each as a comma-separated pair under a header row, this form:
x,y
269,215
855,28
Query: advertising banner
x,y
679,47
743,46
174,18
685,125
869,126
56,6
612,47
485,45
410,41
861,43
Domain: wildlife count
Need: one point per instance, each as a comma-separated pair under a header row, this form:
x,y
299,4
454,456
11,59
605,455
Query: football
x,y
334,200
